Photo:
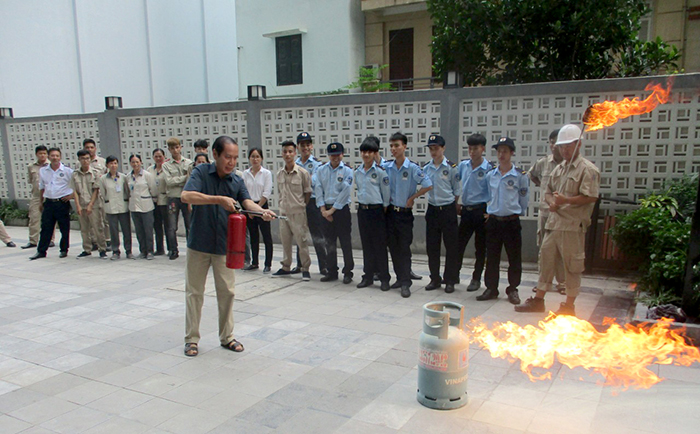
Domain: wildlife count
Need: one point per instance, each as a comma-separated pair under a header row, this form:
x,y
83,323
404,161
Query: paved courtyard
x,y
93,346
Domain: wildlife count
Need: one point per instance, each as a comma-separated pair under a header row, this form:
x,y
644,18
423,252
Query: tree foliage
x,y
524,41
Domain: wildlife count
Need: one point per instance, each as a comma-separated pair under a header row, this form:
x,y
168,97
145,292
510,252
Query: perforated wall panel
x,y
4,194
67,135
142,134
349,125
634,156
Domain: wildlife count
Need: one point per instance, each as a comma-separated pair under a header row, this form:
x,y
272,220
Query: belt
x,y
330,205
372,206
442,207
46,199
473,207
400,209
506,218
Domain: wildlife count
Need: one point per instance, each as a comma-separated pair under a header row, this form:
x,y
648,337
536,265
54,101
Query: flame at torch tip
x,y
621,355
607,113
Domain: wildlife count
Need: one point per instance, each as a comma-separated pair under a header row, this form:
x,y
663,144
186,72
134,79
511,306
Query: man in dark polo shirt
x,y
215,190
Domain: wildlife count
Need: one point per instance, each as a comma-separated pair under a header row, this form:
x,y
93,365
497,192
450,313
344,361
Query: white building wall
x,y
332,47
65,56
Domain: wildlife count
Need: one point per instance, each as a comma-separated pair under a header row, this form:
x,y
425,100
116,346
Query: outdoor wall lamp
x,y
452,79
6,113
113,102
256,92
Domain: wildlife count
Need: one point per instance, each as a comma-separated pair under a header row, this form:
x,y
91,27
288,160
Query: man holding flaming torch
x,y
571,194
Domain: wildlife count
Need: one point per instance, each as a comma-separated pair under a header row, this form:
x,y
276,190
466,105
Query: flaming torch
x,y
621,355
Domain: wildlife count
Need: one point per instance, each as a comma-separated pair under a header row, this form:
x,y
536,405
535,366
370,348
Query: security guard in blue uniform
x,y
472,207
441,217
373,195
306,159
332,184
508,197
404,178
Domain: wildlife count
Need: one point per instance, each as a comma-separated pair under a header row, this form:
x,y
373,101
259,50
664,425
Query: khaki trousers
x,y
196,270
559,272
295,228
4,236
92,224
34,220
569,249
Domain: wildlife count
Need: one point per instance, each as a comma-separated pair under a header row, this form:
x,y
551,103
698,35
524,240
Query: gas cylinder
x,y
235,242
443,357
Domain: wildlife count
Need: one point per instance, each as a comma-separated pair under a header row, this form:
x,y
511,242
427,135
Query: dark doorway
x,y
401,58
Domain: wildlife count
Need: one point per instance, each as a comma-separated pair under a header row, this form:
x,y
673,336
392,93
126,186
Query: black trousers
x,y
315,221
175,207
339,228
441,226
116,221
472,223
372,223
54,212
399,238
499,234
160,225
255,227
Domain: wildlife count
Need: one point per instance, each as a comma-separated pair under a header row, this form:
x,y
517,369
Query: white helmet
x,y
569,133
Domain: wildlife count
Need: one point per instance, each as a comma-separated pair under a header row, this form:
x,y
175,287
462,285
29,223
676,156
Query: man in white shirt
x,y
54,186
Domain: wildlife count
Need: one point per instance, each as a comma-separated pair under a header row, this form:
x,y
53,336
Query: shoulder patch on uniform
x,y
520,170
386,180
523,191
380,167
451,164
493,166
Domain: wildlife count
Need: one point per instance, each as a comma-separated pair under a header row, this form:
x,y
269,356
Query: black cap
x,y
504,141
335,148
303,137
434,139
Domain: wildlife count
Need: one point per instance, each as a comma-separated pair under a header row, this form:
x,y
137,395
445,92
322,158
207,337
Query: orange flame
x,y
607,113
621,355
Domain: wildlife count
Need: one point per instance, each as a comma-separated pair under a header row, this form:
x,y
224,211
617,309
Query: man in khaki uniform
x,y
539,175
100,164
42,160
86,193
571,194
177,171
294,188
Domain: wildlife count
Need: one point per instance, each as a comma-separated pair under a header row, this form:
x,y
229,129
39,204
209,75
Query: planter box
x,y
17,222
75,225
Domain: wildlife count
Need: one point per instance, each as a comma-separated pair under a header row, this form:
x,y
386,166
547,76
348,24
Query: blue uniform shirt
x,y
474,187
209,224
372,185
311,165
332,186
508,193
445,179
404,180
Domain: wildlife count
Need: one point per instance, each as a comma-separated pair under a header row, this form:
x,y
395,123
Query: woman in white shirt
x,y
114,190
258,181
143,194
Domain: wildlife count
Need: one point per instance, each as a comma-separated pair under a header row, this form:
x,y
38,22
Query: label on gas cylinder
x,y
434,360
464,358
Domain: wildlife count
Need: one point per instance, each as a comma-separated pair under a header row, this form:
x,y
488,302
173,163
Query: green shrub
x,y
656,238
11,211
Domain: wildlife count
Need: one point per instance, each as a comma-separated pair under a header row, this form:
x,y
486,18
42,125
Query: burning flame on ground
x,y
621,355
608,113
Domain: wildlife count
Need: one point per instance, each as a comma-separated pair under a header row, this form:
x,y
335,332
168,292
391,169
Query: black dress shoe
x,y
324,272
513,296
174,255
347,278
405,291
396,284
385,286
63,255
159,253
28,246
474,285
414,276
37,255
251,267
11,244
365,283
329,277
295,270
432,285
94,247
375,276
449,288
84,254
489,294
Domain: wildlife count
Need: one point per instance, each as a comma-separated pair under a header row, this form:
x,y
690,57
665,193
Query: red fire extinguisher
x,y
235,243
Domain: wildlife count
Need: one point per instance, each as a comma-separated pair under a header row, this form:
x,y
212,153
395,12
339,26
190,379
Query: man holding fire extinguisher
x,y
216,190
